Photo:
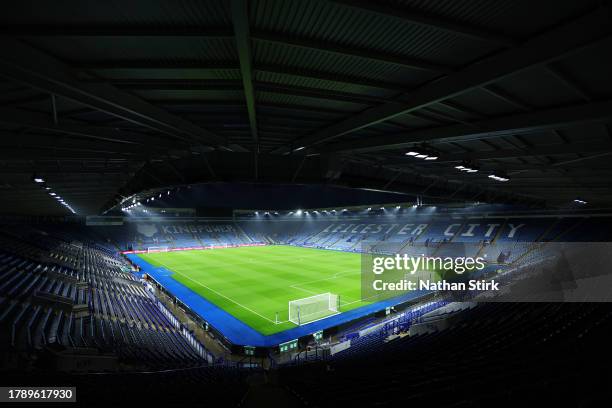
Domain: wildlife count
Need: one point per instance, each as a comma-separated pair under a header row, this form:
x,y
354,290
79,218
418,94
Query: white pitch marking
x,y
220,294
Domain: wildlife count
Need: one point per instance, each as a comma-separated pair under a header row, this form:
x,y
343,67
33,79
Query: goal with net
x,y
157,249
312,308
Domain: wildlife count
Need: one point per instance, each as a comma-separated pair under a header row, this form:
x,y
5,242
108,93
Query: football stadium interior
x,y
306,203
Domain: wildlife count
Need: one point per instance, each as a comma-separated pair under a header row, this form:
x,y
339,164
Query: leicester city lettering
x,y
469,230
484,230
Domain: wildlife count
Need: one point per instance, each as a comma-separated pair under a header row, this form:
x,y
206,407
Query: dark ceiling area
x,y
210,198
106,99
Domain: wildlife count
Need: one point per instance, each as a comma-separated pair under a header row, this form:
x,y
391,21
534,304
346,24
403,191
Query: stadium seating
x,y
67,285
510,237
84,299
471,363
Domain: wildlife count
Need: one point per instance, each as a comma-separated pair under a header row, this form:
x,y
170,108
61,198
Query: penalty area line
x,y
221,294
334,276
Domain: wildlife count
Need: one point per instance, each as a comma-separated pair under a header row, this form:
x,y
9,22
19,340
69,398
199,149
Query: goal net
x,y
309,309
157,249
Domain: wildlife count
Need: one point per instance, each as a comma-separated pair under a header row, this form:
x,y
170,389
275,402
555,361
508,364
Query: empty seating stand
x,y
516,350
75,296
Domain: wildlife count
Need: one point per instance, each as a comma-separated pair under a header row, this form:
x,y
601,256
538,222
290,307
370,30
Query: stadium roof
x,y
105,99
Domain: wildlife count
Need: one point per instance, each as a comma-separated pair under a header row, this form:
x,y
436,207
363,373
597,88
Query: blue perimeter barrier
x,y
238,332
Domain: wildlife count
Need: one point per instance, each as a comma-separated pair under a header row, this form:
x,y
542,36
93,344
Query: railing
x,y
380,329
191,339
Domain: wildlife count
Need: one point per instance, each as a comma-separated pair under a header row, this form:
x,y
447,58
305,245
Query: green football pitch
x,y
255,284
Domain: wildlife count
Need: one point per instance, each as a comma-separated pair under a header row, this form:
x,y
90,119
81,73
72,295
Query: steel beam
x,y
120,31
40,121
242,33
194,68
553,45
523,123
341,49
551,150
24,64
425,20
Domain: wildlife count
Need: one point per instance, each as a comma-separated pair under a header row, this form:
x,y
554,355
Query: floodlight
x,y
499,176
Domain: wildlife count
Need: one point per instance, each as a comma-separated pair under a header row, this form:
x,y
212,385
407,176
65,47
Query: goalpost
x,y
157,249
310,309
